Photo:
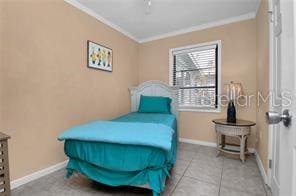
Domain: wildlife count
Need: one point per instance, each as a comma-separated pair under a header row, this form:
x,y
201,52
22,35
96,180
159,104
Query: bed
x,y
136,149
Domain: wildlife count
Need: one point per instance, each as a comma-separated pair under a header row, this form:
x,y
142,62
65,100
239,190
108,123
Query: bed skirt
x,y
154,177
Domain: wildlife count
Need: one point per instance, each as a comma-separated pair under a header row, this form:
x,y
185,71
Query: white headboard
x,y
153,88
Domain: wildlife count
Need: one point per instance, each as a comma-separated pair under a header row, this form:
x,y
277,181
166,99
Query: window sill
x,y
218,110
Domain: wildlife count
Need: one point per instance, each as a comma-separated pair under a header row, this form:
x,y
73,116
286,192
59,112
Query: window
x,y
196,71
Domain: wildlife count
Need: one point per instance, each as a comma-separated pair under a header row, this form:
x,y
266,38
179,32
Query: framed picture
x,y
99,56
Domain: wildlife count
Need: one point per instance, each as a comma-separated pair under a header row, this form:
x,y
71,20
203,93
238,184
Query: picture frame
x,y
99,56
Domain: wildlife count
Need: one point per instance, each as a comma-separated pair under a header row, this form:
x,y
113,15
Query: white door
x,y
282,139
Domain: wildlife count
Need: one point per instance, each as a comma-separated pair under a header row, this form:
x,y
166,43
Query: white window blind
x,y
195,72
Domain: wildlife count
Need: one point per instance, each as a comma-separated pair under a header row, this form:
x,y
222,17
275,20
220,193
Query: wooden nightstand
x,y
4,166
241,130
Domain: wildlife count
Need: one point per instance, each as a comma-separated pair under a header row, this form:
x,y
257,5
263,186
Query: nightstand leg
x,y
223,140
242,148
246,144
218,143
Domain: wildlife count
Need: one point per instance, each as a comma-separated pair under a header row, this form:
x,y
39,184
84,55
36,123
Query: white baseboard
x,y
34,176
198,142
261,168
203,143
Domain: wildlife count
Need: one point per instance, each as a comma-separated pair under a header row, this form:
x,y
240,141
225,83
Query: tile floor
x,y
197,172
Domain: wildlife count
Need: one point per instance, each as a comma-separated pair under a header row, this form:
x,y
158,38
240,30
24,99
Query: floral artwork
x,y
99,57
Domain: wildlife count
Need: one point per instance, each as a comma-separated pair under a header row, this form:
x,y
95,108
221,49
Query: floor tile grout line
x,y
219,191
263,183
200,180
240,190
181,176
183,173
206,182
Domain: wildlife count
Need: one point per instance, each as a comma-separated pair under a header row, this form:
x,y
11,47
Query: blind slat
x,y
195,49
195,73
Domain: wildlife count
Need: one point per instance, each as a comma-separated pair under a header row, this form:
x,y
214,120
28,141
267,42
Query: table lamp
x,y
232,91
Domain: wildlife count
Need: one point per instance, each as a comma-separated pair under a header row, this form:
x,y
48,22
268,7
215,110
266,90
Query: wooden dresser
x,y
4,166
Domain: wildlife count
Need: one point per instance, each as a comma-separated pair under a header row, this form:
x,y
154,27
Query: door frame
x,y
270,128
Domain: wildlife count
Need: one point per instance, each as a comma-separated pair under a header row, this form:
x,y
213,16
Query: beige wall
x,y
238,64
262,79
46,84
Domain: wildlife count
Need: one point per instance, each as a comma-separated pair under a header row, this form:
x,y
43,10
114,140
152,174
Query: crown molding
x,y
257,7
247,16
92,13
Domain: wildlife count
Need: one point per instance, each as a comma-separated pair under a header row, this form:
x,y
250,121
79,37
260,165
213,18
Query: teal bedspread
x,y
146,134
135,163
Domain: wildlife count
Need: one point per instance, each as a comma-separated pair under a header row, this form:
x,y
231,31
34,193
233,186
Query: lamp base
x,y
231,113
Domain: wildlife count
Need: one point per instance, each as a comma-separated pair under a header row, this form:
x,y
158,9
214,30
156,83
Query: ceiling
x,y
166,17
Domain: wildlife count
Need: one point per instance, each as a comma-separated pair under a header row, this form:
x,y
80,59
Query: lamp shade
x,y
233,90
